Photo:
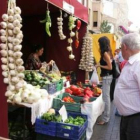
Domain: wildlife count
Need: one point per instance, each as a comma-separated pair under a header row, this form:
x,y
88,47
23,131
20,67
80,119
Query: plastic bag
x,y
55,70
94,78
93,110
115,69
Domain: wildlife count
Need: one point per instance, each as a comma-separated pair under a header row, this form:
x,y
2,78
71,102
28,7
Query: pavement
x,y
109,131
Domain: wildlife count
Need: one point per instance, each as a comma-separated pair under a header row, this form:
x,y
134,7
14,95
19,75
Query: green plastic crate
x,y
76,107
59,85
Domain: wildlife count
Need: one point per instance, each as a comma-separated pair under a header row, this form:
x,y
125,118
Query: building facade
x,y
114,11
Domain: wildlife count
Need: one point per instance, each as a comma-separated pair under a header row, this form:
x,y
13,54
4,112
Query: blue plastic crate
x,y
51,88
75,132
44,127
46,137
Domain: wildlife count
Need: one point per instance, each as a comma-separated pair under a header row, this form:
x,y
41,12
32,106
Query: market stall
x,y
60,30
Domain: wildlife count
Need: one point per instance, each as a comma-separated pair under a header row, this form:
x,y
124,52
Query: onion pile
x,y
12,63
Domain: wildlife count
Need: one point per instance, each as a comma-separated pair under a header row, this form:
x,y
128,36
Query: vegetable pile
x,y
68,99
51,116
86,92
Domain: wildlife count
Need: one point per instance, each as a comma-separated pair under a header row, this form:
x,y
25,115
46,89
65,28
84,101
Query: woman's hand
x,y
51,62
97,65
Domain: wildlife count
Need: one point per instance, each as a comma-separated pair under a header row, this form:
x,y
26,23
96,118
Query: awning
x,y
72,6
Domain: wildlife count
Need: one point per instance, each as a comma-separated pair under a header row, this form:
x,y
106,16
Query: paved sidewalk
x,y
108,131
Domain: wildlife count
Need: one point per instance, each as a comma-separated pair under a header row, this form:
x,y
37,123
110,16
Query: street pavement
x,y
109,131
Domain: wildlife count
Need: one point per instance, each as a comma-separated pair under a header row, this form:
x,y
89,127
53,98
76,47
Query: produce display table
x,y
92,109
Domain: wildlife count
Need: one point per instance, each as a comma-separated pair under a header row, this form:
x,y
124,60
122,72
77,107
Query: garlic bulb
x,y
12,72
15,79
17,99
19,85
10,12
69,48
5,17
3,46
3,38
10,39
4,60
16,41
17,54
17,10
10,46
20,68
16,23
71,56
16,30
5,73
11,59
21,75
3,32
6,80
70,40
19,61
17,48
10,32
10,26
8,93
3,25
3,53
11,66
72,34
17,17
10,18
11,53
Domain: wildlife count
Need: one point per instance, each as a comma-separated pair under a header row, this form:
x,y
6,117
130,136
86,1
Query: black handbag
x,y
115,69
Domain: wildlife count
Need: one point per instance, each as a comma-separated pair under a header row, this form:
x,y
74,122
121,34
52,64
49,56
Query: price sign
x,y
68,7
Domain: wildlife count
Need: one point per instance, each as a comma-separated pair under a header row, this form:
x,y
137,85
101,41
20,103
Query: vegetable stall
x,y
60,27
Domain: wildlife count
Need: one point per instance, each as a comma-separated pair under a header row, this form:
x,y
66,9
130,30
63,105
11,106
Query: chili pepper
x,y
76,43
78,25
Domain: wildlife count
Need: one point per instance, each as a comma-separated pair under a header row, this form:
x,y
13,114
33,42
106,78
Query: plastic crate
x,y
46,137
75,132
59,85
76,107
56,131
51,88
44,127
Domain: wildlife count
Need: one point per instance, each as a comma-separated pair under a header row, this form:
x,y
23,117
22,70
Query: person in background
x,y
33,62
106,74
127,91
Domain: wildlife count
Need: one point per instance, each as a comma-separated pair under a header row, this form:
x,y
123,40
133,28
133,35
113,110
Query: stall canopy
x,y
72,7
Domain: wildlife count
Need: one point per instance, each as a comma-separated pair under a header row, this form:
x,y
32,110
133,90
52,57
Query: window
x,y
89,15
95,18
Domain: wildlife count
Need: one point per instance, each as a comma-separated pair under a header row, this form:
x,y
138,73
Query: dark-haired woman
x,y
33,62
106,74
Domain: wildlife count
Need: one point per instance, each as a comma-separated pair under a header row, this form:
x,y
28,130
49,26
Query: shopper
x,y
127,91
106,74
33,62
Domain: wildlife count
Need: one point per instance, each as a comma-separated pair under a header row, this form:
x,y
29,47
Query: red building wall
x,y
3,103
